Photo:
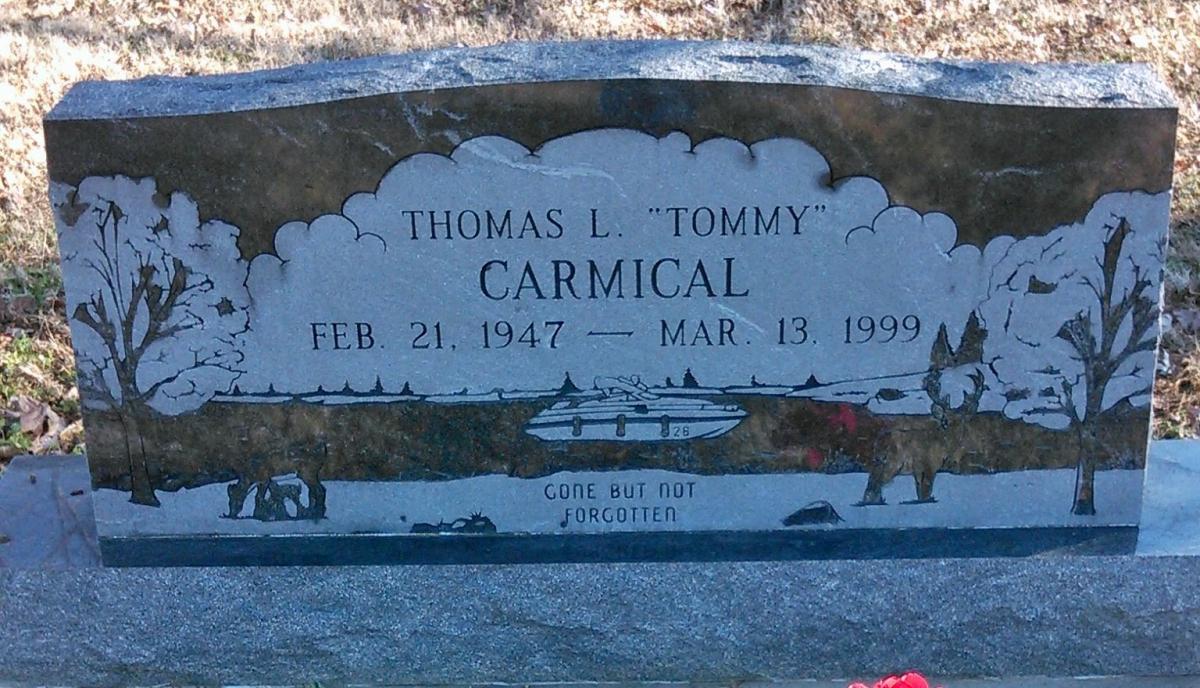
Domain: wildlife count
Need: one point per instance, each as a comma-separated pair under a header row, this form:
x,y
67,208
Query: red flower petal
x,y
843,418
813,458
913,680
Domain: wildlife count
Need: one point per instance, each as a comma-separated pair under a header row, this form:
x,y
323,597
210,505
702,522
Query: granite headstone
x,y
623,295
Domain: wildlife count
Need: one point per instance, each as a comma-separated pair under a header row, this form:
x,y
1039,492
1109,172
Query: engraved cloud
x,y
420,260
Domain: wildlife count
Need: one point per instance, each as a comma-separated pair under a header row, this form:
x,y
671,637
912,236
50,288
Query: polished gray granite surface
x,y
46,519
1171,506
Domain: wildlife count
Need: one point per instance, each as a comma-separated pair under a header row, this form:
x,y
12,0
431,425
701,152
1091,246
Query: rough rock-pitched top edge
x,y
1046,85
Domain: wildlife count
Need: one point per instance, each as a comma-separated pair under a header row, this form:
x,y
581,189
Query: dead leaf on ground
x,y
12,307
32,414
37,419
34,373
1185,319
71,436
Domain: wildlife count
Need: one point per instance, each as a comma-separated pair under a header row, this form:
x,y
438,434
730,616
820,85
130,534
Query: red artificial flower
x,y
910,680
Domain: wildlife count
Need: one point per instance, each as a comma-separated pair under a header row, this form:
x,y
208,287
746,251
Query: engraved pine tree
x,y
1077,313
157,303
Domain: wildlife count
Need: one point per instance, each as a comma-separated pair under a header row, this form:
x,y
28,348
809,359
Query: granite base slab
x,y
726,621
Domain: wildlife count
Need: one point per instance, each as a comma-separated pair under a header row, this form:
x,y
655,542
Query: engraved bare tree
x,y
157,303
1078,313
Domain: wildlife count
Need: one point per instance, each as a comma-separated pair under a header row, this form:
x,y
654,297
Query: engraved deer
x,y
923,445
268,457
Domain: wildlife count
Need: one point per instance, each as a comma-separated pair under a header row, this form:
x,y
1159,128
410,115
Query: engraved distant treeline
x,y
904,387
272,395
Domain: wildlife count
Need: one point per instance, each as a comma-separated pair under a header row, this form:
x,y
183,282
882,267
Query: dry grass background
x,y
47,45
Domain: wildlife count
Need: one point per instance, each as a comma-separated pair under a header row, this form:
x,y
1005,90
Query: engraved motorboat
x,y
628,411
